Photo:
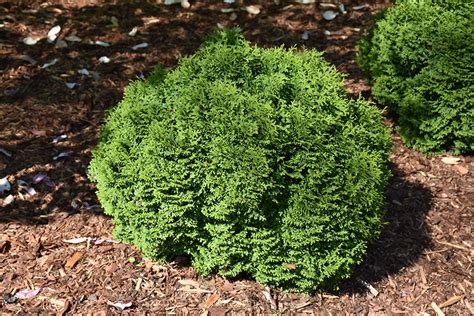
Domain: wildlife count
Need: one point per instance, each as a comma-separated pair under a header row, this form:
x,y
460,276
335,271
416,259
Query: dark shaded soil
x,y
424,255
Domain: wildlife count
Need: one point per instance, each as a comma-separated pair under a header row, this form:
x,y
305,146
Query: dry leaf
x,y
133,32
452,300
73,38
211,300
359,7
27,59
291,266
53,33
114,21
120,306
51,63
451,160
30,41
252,9
102,43
61,44
71,85
104,60
74,259
4,185
139,284
76,240
36,133
329,15
27,293
141,45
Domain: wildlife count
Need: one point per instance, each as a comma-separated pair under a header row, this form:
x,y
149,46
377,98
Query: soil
x,y
423,260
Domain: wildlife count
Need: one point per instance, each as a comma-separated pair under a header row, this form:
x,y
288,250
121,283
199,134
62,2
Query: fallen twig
x,y
452,245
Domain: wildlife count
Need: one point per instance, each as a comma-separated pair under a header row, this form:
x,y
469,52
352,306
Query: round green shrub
x,y
420,58
252,161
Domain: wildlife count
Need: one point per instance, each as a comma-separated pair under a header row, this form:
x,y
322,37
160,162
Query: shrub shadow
x,y
69,191
404,237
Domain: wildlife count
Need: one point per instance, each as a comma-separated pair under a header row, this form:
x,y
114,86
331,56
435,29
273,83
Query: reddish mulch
x,y
423,257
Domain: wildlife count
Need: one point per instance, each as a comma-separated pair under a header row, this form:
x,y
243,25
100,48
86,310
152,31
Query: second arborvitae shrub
x,y
420,58
251,161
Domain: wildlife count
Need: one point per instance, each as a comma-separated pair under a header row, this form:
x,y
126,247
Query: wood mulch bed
x,y
56,247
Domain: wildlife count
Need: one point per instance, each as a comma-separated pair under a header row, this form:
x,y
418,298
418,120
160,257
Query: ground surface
x,y
424,255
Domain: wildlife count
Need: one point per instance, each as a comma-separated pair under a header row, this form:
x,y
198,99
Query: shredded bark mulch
x,y
57,254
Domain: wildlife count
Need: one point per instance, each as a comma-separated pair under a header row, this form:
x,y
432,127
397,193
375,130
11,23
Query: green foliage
x,y
251,161
419,56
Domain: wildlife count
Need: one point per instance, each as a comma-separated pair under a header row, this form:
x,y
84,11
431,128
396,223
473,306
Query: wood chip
x,y
194,290
423,275
149,21
269,297
303,305
371,289
451,301
421,294
211,300
73,260
436,308
224,302
189,282
5,245
462,170
469,307
65,309
139,284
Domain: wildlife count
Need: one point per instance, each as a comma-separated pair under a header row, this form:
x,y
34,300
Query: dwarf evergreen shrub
x,y
419,56
251,161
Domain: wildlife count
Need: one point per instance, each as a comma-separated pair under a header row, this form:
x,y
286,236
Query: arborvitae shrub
x,y
420,58
251,161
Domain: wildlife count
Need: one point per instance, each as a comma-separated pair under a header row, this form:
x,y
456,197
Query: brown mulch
x,y
424,256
